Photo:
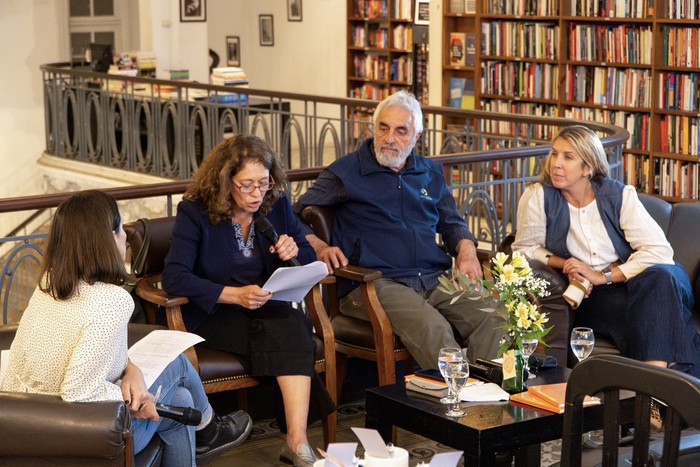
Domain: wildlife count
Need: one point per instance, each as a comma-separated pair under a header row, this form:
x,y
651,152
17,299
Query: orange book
x,y
550,397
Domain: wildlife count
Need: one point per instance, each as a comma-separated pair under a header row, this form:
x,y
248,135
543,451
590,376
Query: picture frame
x,y
193,11
422,12
233,51
267,30
294,10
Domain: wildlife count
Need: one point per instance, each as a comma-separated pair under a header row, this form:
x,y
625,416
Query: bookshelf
x,y
633,63
380,50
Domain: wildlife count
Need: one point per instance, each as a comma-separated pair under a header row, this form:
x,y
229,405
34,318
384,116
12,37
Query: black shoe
x,y
222,434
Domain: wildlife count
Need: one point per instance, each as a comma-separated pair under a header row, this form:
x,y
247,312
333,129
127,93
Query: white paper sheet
x,y
372,442
4,362
446,459
155,351
484,393
291,284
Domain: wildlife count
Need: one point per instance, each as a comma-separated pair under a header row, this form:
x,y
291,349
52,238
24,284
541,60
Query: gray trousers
x,y
425,322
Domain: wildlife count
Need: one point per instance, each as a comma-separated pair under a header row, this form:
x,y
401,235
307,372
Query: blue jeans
x,y
181,387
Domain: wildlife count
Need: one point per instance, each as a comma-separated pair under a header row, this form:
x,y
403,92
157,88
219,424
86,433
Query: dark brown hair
x,y
214,178
81,245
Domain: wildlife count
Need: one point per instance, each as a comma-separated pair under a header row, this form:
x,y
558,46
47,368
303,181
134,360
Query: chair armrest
x,y
37,425
357,273
146,289
324,329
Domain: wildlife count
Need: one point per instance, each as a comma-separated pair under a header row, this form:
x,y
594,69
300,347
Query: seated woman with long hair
x,y
72,338
219,261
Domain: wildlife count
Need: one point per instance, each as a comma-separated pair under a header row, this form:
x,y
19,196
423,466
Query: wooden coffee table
x,y
492,433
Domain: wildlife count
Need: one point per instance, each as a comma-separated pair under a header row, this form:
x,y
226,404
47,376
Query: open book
x,y
550,397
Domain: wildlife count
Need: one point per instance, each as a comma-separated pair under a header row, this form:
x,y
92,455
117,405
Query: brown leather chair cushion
x,y
357,332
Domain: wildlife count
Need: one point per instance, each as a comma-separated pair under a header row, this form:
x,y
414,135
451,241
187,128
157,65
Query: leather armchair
x,y
680,224
41,430
370,340
220,371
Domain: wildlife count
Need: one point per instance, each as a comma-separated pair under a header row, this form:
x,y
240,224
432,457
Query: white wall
x,y
308,56
28,38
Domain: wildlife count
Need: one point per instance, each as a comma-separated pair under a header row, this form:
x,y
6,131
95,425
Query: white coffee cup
x,y
399,458
575,292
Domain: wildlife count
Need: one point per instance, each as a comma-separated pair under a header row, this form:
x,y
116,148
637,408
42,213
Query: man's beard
x,y
390,158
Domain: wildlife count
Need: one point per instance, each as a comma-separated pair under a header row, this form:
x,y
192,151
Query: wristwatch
x,y
608,275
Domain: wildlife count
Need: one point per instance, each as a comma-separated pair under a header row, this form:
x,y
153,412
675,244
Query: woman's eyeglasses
x,y
250,187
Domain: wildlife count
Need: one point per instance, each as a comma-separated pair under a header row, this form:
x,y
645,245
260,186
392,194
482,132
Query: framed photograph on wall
x,y
193,10
294,10
267,30
422,14
233,51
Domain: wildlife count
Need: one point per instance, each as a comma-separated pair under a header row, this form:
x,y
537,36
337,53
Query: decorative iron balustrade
x,y
166,128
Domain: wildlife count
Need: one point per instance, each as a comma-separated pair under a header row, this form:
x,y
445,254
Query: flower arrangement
x,y
509,295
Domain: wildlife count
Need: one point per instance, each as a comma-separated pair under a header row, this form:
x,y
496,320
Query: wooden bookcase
x,y
638,69
380,58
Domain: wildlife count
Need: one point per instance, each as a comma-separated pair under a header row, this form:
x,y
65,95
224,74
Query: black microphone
x,y
184,415
266,229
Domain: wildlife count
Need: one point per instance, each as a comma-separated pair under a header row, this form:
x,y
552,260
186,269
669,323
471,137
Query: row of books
x,y
403,37
682,9
679,134
636,171
462,93
374,67
623,87
402,9
679,91
680,46
677,179
520,79
524,132
402,69
369,91
614,8
637,123
462,48
370,36
518,39
462,6
522,7
620,43
371,9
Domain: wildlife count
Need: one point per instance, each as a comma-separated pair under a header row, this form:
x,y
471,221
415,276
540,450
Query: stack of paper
x,y
228,75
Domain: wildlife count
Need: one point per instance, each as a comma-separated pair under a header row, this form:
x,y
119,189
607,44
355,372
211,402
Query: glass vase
x,y
513,371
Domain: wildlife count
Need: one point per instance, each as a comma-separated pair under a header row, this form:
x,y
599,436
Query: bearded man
x,y
389,203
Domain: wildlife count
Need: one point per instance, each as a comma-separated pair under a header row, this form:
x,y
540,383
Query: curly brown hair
x,y
213,180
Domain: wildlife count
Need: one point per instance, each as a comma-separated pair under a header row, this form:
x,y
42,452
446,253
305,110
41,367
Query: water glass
x,y
529,346
449,355
457,375
582,342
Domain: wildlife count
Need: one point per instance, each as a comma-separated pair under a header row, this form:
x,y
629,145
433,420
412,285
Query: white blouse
x,y
588,240
76,348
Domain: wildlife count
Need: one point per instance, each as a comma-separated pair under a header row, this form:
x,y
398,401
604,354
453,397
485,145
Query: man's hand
x,y
331,255
467,261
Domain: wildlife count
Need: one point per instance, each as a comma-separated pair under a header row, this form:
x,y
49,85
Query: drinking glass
x,y
529,346
582,342
448,355
457,375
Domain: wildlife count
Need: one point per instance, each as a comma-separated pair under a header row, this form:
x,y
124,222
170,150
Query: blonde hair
x,y
586,144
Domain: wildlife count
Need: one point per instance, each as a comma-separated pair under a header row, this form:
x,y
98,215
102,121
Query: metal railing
x,y
149,126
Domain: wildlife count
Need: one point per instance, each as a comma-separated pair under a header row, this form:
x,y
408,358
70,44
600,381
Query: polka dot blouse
x,y
76,348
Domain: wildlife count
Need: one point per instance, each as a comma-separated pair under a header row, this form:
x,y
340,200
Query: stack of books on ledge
x,y
549,397
229,76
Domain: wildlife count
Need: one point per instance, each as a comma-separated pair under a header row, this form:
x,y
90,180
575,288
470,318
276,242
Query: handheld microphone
x,y
266,229
184,415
